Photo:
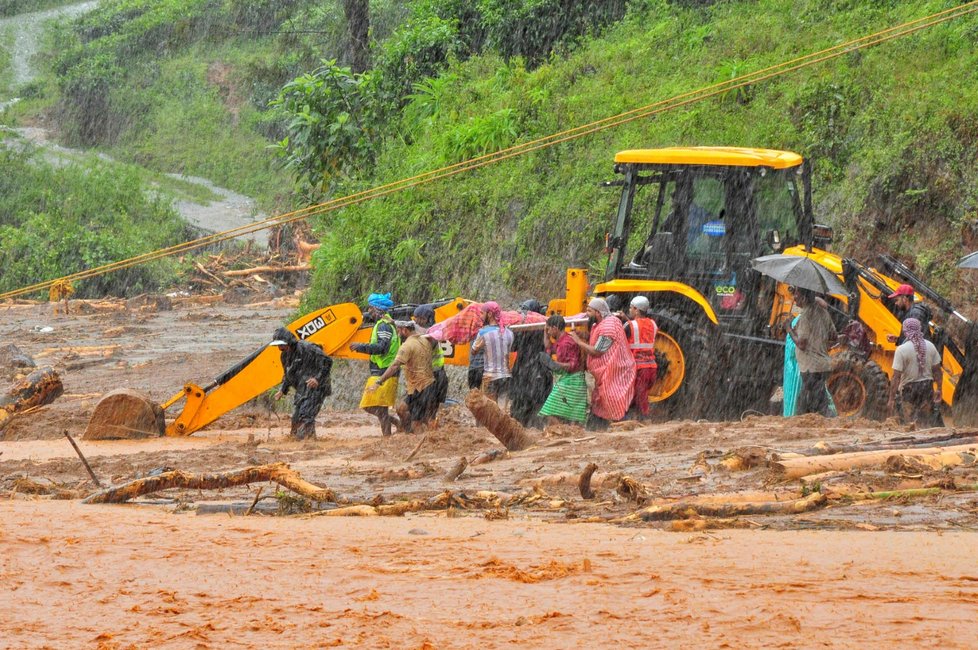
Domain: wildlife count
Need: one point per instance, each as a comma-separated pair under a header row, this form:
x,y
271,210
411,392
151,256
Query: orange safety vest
x,y
642,344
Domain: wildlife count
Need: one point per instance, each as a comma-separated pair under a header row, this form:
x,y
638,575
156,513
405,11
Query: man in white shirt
x,y
916,368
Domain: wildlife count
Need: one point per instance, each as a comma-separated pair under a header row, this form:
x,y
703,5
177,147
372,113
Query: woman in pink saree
x,y
611,363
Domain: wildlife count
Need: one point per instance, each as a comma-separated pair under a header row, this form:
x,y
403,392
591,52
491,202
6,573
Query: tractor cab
x,y
699,215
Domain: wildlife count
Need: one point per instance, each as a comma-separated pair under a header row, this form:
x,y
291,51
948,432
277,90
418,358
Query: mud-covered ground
x,y
519,557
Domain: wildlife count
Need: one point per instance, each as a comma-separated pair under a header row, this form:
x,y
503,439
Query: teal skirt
x,y
568,399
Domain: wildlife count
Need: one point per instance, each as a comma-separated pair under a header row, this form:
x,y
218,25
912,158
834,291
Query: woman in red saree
x,y
611,363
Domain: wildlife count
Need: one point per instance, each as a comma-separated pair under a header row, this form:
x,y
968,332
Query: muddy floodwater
x,y
507,553
117,577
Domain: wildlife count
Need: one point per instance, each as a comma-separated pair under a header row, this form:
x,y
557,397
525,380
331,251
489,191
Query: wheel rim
x,y
667,349
848,392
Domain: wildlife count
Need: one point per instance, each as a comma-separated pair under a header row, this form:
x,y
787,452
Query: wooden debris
x,y
416,449
899,443
630,489
598,479
489,456
42,386
507,430
83,460
744,458
457,469
362,510
267,269
254,503
698,525
276,472
930,462
25,485
686,509
798,467
125,413
584,483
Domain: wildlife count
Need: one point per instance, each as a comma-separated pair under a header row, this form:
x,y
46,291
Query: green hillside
x,y
191,86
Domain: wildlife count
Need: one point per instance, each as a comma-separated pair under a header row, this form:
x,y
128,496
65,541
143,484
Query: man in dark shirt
x,y
306,369
904,308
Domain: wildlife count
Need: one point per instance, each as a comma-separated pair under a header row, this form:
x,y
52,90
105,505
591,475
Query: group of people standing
x,y
547,381
545,384
397,346
915,387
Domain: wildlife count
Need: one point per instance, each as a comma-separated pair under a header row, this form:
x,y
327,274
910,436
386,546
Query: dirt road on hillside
x,y
509,560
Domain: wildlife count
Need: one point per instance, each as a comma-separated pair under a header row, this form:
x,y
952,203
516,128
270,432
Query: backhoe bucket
x,y
125,413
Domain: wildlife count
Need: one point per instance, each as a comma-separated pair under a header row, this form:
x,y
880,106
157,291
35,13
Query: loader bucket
x,y
125,413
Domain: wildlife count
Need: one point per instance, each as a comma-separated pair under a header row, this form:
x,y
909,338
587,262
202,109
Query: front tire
x,y
680,353
858,388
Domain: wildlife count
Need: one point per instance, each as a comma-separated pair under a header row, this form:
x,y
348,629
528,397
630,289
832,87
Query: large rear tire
x,y
858,388
680,352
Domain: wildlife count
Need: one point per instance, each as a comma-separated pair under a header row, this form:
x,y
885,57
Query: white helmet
x,y
640,303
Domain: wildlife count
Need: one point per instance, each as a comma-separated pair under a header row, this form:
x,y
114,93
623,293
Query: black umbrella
x,y
969,261
800,272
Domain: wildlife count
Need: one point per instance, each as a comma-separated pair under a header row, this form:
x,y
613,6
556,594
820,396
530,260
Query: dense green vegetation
x,y
891,130
216,88
57,221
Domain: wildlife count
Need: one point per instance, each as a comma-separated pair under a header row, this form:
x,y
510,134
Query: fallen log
x,y
42,386
901,463
698,525
904,442
687,510
598,479
276,472
507,430
798,467
266,269
361,510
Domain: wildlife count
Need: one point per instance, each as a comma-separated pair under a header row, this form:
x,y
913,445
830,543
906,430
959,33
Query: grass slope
x,y
892,130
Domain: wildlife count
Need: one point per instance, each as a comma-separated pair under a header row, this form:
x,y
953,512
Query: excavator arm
x,y
333,328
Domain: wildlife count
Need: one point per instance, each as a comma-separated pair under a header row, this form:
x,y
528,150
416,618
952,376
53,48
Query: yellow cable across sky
x,y
649,110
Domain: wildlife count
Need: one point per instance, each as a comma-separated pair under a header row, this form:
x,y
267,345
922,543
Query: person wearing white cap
x,y
611,363
641,331
307,370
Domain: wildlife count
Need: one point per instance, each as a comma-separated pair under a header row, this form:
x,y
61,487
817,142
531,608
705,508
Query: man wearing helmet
x,y
641,331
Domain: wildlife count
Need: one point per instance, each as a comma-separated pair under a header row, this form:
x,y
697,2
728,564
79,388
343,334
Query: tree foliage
x,y
58,221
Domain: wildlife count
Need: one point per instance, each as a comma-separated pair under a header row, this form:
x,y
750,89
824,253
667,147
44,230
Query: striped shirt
x,y
497,344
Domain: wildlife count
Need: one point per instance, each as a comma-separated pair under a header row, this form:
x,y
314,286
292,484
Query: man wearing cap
x,y
641,331
904,307
495,342
414,356
382,348
610,362
424,317
306,369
